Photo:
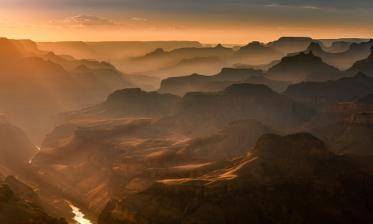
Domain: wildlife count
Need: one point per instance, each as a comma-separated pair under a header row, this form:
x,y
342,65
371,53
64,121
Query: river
x,y
79,217
37,149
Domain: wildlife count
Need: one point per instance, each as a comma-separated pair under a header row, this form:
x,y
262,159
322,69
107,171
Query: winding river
x,y
79,217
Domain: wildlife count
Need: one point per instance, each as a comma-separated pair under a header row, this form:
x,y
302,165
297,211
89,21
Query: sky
x,y
207,21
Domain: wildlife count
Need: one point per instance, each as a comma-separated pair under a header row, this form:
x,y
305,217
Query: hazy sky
x,y
213,21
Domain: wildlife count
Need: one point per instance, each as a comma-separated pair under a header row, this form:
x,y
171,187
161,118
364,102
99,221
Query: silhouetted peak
x,y
253,45
4,40
237,73
107,64
219,46
291,41
194,75
123,94
133,93
126,92
248,89
291,147
157,51
135,102
295,39
237,70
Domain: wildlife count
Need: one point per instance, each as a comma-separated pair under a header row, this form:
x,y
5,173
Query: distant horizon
x,y
207,21
191,40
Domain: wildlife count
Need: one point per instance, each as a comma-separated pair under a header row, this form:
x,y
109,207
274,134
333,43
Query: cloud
x,y
88,20
139,19
191,5
274,5
310,7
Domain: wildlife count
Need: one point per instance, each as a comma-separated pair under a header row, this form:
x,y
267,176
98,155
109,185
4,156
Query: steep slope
x,y
365,66
347,127
290,179
16,153
324,94
15,148
302,67
14,209
70,63
191,83
17,48
99,81
126,156
342,60
92,76
230,142
33,89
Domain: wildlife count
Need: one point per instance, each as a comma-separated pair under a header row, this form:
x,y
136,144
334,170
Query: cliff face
x,y
347,127
342,59
234,140
291,179
239,101
302,67
35,85
291,44
200,113
324,94
115,158
364,65
15,148
134,102
129,103
18,204
16,172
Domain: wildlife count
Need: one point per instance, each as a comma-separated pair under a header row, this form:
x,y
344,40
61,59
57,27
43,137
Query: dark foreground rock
x,y
290,179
